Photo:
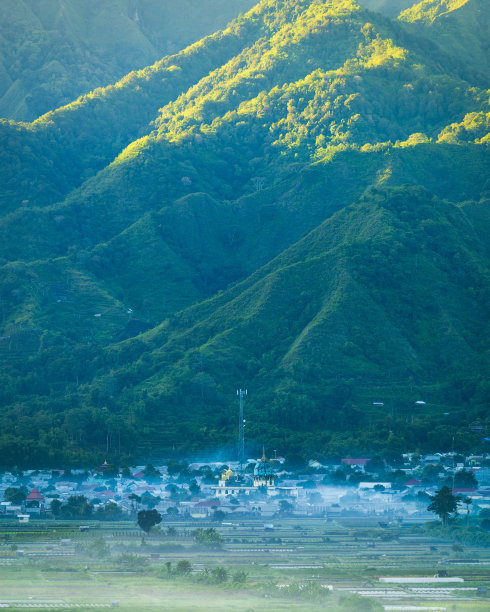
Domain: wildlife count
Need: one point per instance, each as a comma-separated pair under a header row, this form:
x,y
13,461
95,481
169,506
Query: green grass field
x,y
304,564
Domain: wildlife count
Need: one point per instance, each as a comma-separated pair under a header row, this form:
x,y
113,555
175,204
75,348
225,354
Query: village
x,y
260,488
258,534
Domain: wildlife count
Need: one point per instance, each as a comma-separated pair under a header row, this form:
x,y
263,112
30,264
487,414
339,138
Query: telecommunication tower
x,y
241,430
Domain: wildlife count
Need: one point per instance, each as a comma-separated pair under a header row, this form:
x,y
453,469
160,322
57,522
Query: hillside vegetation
x,y
297,205
53,51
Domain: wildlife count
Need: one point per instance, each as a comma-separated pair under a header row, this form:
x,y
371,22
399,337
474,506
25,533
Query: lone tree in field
x,y
148,518
443,503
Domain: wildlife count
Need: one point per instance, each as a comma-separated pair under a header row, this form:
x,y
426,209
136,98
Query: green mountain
x,y
297,205
55,50
459,27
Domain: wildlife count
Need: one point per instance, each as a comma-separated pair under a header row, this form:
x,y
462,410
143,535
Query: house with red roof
x,y
355,463
35,495
413,482
33,503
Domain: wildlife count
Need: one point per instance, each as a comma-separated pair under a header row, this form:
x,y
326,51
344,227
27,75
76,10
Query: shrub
x,y
132,561
356,603
240,577
219,574
183,568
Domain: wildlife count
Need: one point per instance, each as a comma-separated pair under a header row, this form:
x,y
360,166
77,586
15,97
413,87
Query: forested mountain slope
x,y
460,27
53,51
297,204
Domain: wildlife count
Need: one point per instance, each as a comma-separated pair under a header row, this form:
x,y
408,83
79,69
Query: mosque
x,y
263,472
232,483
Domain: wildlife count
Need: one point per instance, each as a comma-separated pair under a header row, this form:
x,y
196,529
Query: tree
x,y
77,506
465,479
375,465
55,507
467,501
443,503
148,518
294,463
194,488
338,476
208,537
98,548
135,500
240,577
430,474
110,512
485,524
219,574
151,473
218,516
285,506
183,568
14,495
132,561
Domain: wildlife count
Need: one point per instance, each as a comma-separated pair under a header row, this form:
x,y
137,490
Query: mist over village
x,y
264,489
245,305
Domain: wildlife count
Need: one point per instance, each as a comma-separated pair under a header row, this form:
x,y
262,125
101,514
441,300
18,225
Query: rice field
x,y
303,564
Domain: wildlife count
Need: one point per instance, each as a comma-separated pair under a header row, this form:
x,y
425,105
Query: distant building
x,y
427,459
413,482
35,496
373,485
356,463
231,484
263,472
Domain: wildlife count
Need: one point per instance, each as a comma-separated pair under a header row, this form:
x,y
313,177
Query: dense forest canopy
x,y
53,51
297,204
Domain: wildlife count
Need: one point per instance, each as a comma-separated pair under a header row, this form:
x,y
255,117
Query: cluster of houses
x,y
264,488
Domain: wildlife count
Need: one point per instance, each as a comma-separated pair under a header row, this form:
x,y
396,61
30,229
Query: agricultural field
x,y
300,564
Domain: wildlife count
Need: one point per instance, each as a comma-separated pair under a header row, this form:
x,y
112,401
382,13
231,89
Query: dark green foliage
x,y
109,512
131,561
239,577
312,591
219,574
219,516
375,465
306,215
465,479
443,503
59,50
357,603
98,548
183,568
76,507
208,537
15,495
151,473
148,519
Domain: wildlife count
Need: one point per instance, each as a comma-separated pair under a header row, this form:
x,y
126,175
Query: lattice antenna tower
x,y
241,430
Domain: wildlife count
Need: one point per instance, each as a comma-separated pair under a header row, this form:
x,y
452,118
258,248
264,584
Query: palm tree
x,y
468,501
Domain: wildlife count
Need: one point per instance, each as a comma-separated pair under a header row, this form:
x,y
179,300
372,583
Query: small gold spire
x,y
264,458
